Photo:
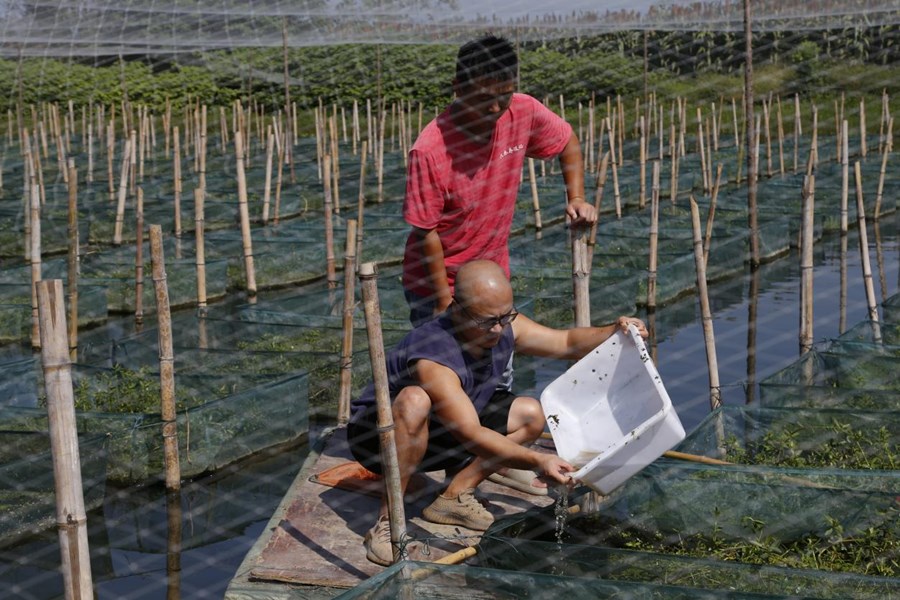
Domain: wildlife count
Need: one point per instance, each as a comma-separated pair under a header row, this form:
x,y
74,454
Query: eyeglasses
x,y
488,323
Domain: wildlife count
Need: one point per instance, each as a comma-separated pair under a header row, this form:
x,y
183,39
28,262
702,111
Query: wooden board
x,y
318,539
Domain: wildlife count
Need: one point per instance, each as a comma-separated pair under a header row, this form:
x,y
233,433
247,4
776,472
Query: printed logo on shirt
x,y
512,149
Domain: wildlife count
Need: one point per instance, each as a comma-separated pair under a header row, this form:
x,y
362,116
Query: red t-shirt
x,y
467,191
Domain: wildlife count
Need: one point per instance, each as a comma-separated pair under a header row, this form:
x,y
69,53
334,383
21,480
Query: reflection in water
x,y
842,323
173,546
752,308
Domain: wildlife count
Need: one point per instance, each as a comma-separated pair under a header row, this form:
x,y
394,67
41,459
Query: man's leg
x,y
410,410
522,422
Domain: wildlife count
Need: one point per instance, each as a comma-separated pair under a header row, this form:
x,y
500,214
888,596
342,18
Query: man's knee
x,y
412,406
526,412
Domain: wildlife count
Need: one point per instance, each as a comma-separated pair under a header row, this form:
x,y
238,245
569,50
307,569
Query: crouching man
x,y
447,410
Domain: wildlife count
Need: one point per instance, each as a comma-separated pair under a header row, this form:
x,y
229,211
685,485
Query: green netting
x,y
741,514
705,575
799,437
891,309
27,487
850,379
426,580
881,338
224,414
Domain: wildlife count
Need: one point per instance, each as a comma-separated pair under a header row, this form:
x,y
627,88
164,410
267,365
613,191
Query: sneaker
x,y
464,510
378,543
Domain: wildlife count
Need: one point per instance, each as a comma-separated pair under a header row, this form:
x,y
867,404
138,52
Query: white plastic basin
x,y
609,414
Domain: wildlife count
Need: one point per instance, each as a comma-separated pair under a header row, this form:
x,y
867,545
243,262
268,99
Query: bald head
x,y
482,282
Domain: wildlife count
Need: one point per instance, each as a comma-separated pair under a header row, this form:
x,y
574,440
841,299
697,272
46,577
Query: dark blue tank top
x,y
434,341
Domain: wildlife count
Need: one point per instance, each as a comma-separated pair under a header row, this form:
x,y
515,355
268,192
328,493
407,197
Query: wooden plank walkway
x,y
313,546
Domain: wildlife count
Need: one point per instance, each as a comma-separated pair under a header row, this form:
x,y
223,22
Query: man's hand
x,y
623,323
556,469
581,212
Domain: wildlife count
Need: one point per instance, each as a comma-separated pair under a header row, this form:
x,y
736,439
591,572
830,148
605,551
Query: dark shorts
x,y
444,451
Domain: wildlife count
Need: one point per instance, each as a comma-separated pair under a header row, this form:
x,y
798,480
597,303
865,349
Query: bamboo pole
x,y
673,157
200,247
884,158
863,146
35,245
702,151
602,170
139,260
176,174
654,239
166,362
581,272
72,260
642,195
864,255
244,211
335,165
615,172
279,178
385,420
780,130
71,520
535,200
330,272
347,325
845,178
270,146
715,392
752,319
380,166
123,192
768,131
711,215
798,131
806,266
110,155
361,198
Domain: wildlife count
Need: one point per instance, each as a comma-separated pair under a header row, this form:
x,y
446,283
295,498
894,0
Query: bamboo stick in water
x,y
72,260
385,419
330,273
200,248
71,519
715,393
244,211
864,255
806,266
166,362
35,245
347,325
654,239
139,260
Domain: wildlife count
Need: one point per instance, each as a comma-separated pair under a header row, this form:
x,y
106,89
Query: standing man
x,y
448,413
464,173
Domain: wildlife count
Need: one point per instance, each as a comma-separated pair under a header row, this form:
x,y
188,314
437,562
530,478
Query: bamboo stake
x,y
247,241
123,192
176,173
884,157
806,266
864,255
335,165
166,361
279,180
110,154
654,239
361,199
72,260
380,167
715,393
331,275
768,131
673,157
702,151
139,261
347,325
385,420
71,520
707,240
602,170
35,245
798,130
642,195
780,130
200,247
535,200
615,171
581,272
270,143
863,147
734,116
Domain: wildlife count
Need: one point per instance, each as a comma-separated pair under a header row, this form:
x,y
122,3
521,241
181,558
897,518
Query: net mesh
x,y
808,507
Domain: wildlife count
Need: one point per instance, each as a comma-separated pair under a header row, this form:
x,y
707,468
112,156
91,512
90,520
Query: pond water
x,y
223,515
